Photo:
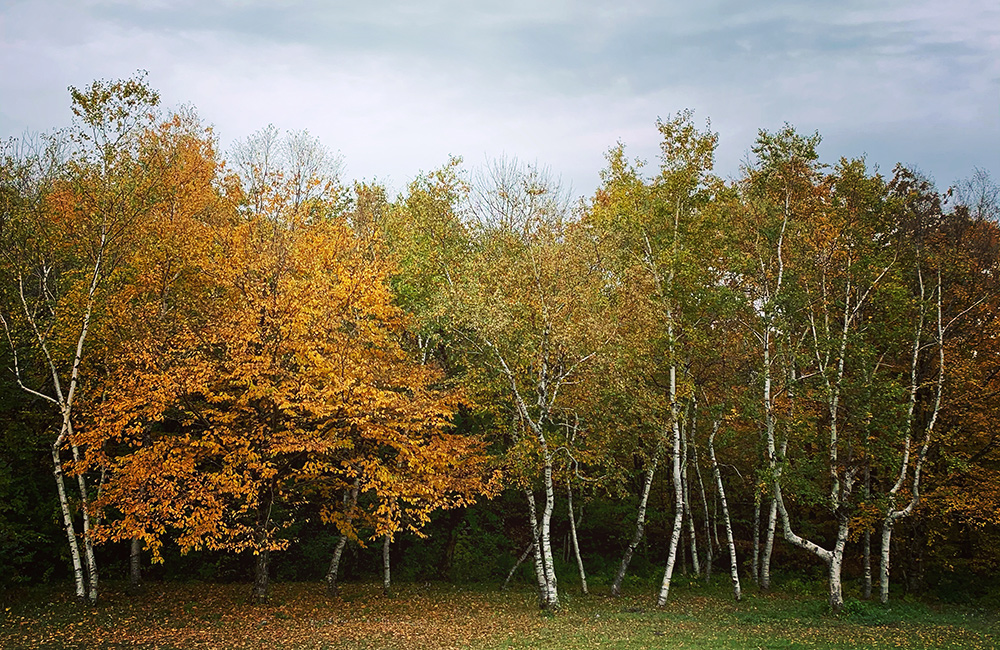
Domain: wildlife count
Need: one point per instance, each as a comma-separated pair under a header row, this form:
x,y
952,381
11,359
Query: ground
x,y
300,616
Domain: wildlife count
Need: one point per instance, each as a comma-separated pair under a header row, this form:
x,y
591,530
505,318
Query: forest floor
x,y
170,616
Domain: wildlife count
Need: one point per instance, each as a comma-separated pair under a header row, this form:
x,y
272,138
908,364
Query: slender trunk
x,y
332,586
520,561
675,538
74,547
693,541
867,562
88,540
733,564
350,501
755,567
716,546
708,524
834,559
678,493
135,565
455,518
552,592
536,551
765,565
892,514
867,544
573,538
640,527
386,578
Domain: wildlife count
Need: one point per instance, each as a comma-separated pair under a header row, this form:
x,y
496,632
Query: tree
x,y
67,233
529,306
284,381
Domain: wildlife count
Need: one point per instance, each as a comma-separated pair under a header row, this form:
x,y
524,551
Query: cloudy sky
x,y
396,86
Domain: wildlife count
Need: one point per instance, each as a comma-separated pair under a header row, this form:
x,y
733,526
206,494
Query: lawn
x,y
191,615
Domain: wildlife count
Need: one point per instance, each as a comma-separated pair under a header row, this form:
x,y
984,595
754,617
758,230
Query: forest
x,y
239,367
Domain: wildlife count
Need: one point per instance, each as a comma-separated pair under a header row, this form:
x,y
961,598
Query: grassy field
x,y
300,616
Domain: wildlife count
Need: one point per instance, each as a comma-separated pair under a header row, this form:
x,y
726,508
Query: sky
x,y
397,86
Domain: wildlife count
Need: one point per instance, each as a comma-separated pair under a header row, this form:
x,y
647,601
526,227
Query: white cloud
x,y
398,86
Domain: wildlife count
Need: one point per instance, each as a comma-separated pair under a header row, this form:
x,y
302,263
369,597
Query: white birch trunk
x,y
696,567
67,516
640,526
708,521
573,538
552,593
733,564
678,493
540,574
892,514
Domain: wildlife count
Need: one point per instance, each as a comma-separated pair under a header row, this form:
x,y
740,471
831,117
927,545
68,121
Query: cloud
x,y
398,85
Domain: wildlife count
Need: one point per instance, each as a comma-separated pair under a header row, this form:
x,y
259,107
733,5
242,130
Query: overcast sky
x,y
397,86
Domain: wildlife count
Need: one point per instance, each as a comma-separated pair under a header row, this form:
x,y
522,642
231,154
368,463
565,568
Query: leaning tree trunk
x,y
350,501
573,539
733,564
640,526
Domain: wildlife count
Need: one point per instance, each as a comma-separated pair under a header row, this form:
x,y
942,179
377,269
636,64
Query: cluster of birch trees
x,y
808,349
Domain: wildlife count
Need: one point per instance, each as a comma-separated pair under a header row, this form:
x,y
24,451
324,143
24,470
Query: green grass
x,y
300,616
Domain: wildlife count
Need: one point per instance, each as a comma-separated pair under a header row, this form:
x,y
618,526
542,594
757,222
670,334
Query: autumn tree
x,y
66,237
529,308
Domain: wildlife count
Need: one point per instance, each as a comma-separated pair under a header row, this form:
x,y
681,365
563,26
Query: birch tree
x,y
530,310
64,243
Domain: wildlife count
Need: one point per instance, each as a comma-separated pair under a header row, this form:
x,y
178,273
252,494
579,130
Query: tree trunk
x,y
552,592
693,540
350,501
88,538
708,522
678,493
573,539
386,578
332,586
765,565
733,564
755,567
836,565
74,548
262,567
135,566
866,550
520,561
262,575
536,551
640,527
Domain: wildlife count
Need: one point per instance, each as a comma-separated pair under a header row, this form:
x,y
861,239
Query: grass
x,y
174,616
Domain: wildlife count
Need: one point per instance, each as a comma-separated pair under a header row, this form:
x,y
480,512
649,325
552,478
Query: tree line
x,y
212,351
